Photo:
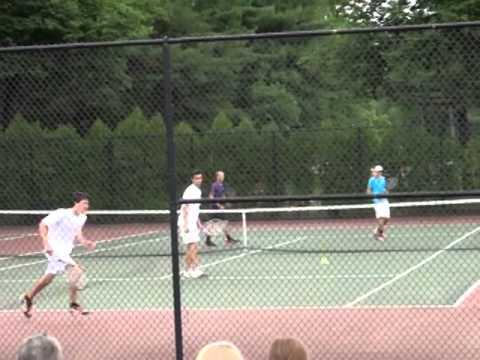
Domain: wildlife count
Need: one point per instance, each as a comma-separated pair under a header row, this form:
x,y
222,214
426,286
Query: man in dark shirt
x,y
217,191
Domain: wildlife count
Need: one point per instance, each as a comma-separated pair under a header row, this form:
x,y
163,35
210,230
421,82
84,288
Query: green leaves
x,y
56,21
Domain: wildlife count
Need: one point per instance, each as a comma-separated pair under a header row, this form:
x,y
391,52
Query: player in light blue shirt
x,y
377,185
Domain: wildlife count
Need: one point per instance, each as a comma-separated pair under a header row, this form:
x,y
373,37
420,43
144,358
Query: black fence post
x,y
274,178
172,190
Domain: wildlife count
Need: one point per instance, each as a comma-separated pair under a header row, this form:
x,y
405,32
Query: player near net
x,y
377,185
58,232
189,226
217,191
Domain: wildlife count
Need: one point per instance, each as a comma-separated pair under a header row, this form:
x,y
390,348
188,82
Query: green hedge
x,y
127,168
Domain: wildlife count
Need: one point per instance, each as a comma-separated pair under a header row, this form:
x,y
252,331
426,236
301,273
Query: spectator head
x,y
221,350
219,176
40,347
287,349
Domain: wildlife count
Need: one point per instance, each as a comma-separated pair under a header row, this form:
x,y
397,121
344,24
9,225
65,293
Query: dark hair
x,y
196,172
79,196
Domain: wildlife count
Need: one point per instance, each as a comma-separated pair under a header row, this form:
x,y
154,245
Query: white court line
x,y
412,268
228,259
457,304
350,306
15,237
227,278
467,293
79,245
255,309
252,252
96,251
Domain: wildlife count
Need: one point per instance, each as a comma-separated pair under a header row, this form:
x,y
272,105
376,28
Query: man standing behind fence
x,y
377,185
217,191
189,226
58,231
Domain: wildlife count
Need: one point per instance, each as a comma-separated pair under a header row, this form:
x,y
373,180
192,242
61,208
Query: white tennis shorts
x,y
191,236
57,265
382,210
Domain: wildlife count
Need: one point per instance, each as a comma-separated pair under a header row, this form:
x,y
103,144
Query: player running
x,y
217,191
58,231
377,184
189,226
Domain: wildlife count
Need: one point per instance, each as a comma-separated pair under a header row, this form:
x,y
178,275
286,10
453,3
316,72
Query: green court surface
x,y
301,266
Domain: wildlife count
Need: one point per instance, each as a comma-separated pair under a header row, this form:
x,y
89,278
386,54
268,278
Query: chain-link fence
x,y
299,115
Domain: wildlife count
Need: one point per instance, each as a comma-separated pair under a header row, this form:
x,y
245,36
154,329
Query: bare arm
x,y
90,245
43,230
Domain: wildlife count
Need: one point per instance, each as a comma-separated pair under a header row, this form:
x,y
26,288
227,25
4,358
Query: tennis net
x,y
452,225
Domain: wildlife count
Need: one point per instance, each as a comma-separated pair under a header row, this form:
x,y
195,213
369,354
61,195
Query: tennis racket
x,y
215,227
392,182
76,278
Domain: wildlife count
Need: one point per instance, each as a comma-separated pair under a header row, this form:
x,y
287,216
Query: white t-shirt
x,y
192,192
63,227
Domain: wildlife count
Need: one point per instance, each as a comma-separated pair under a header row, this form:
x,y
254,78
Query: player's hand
x,y
90,245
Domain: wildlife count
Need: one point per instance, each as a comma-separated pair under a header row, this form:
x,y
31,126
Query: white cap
x,y
377,168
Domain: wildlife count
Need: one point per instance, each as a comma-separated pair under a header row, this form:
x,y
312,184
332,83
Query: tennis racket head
x,y
215,227
392,182
76,278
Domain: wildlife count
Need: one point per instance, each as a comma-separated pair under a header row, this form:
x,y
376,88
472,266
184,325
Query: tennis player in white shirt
x,y
58,231
189,226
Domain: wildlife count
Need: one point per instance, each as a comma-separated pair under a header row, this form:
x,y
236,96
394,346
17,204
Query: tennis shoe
x,y
27,306
381,238
209,242
231,241
187,274
197,273
75,308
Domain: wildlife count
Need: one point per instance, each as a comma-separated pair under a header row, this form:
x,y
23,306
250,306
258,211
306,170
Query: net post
x,y
244,229
172,190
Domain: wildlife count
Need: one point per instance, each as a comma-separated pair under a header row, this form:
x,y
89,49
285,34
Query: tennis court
x,y
295,268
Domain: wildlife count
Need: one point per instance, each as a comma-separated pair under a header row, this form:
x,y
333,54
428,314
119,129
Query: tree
x,y
385,12
139,162
52,21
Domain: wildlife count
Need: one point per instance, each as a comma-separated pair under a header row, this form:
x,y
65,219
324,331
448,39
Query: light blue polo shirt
x,y
378,185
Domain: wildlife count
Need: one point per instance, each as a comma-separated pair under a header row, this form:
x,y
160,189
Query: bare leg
x,y
43,282
384,224
77,272
74,276
379,227
191,256
229,240
194,254
39,286
73,291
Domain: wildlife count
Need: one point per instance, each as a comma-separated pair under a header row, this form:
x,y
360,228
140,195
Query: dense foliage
x,y
280,116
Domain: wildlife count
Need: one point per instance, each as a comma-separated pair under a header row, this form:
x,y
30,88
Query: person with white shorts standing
x,y
58,231
377,185
189,226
